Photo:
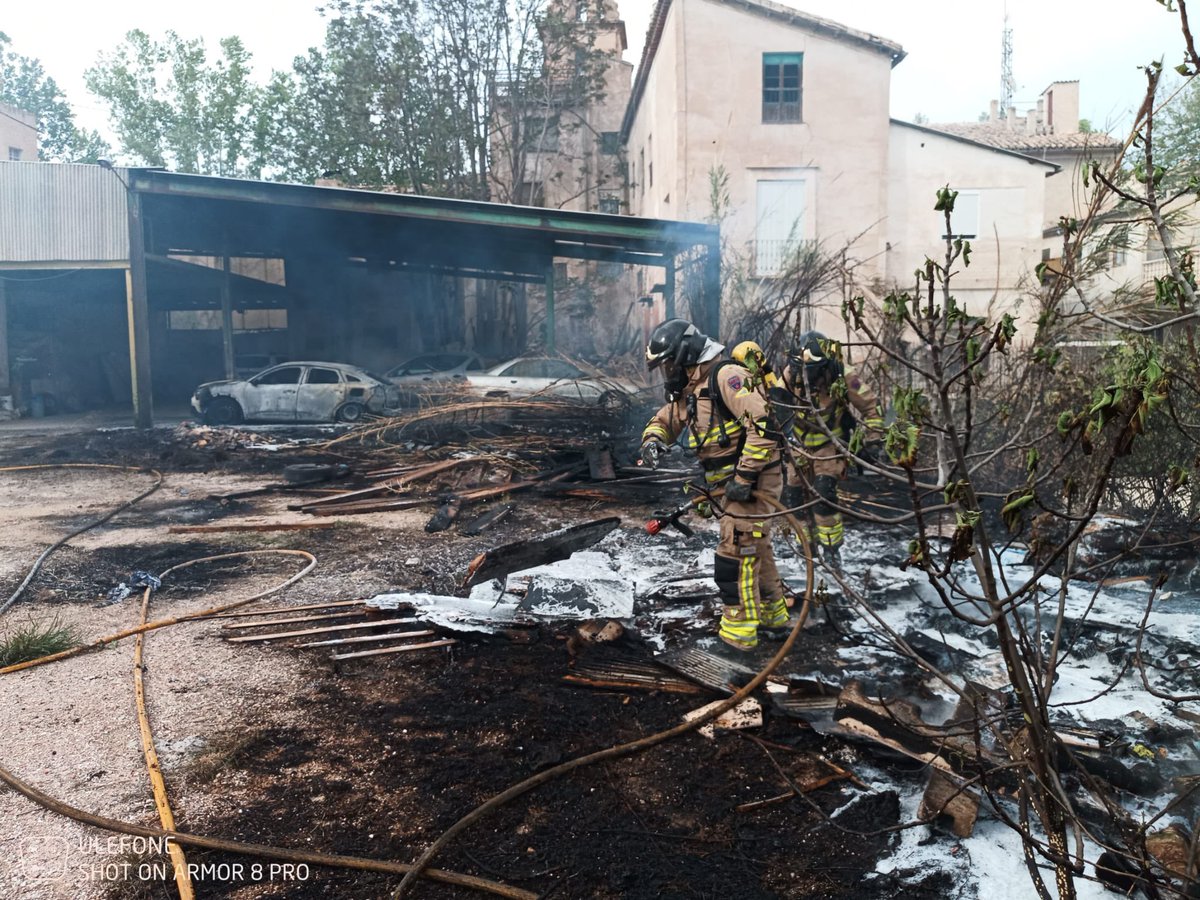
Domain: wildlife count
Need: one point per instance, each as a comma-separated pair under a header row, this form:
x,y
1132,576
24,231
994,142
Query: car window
x,y
525,368
353,378
557,368
286,375
322,376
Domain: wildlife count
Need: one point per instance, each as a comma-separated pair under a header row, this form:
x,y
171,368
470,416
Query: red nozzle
x,y
654,526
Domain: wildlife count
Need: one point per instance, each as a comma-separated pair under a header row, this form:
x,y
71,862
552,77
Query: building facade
x,y
18,134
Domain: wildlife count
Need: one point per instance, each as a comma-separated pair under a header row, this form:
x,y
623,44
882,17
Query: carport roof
x,y
211,215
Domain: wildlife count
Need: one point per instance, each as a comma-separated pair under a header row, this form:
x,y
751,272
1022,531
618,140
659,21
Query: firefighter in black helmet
x,y
830,401
726,421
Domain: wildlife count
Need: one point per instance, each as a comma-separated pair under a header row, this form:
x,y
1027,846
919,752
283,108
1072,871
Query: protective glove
x,y
651,451
704,509
738,491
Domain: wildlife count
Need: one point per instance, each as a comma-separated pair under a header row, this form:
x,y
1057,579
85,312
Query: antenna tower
x,y
1007,85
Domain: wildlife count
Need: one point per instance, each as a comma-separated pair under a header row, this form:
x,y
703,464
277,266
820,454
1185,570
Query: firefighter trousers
x,y
751,590
815,477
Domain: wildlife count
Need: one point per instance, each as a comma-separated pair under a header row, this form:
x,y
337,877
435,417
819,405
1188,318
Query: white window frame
x,y
964,220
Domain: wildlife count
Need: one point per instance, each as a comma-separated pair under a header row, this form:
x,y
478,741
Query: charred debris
x,y
631,607
480,459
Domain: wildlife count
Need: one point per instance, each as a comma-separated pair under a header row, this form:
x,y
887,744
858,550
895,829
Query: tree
x,y
995,443
25,85
372,104
452,97
173,107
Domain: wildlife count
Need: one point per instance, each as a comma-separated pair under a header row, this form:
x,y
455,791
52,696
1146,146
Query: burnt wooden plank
x,y
508,558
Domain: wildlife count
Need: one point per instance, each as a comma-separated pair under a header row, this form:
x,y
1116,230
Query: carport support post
x,y
669,285
550,308
139,315
5,382
227,317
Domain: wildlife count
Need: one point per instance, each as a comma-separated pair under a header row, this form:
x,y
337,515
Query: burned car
x,y
295,392
552,376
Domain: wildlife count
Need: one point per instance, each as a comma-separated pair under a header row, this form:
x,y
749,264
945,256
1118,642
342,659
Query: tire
x,y
222,411
350,411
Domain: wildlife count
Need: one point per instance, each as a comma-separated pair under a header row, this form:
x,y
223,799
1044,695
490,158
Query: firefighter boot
x,y
774,623
739,618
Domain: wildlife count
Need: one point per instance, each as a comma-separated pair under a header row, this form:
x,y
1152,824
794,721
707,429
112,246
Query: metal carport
x,y
172,214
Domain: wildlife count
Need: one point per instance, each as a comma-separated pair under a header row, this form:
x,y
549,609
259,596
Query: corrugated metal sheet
x,y
59,212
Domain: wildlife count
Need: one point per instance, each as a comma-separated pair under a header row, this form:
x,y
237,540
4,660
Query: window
x,y
610,143
529,193
556,368
964,221
642,170
14,153
782,85
286,375
780,223
609,203
650,153
322,376
560,274
541,134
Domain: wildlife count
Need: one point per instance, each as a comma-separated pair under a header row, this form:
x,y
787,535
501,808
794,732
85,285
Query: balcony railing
x,y
1155,268
772,258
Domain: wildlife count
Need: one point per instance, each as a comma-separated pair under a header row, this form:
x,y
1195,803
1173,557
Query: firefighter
x,y
829,401
726,424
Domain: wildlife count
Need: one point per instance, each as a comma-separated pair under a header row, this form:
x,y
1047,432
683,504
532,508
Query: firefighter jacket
x,y
836,409
729,435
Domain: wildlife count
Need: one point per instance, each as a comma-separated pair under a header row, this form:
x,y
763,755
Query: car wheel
x,y
222,411
350,411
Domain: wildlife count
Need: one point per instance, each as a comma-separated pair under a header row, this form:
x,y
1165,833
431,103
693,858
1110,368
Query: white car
x,y
529,375
420,375
295,392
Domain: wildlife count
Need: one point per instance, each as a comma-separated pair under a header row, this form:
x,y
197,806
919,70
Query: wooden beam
x,y
280,635
446,642
289,609
366,638
292,620
247,526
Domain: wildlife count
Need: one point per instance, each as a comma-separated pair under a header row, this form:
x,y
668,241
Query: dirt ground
x,y
371,757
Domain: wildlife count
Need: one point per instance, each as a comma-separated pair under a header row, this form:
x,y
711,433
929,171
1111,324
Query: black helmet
x,y
675,345
820,357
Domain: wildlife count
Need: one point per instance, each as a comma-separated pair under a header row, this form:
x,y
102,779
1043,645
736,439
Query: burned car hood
x,y
213,384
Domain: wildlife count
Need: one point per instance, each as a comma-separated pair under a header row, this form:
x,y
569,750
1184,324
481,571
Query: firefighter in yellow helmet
x,y
726,424
829,401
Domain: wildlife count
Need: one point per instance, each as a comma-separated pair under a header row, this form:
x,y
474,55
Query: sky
x,y
950,74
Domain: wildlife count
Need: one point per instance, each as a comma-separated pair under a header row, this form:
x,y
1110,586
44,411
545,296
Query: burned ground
x,y
376,757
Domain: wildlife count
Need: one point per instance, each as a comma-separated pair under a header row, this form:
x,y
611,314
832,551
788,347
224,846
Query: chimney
x,y
1030,123
994,111
1012,117
1062,107
1041,115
